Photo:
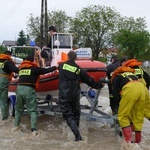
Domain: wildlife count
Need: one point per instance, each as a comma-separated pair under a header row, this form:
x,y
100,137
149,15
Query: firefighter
x,y
145,79
70,76
7,67
115,63
139,71
29,74
129,96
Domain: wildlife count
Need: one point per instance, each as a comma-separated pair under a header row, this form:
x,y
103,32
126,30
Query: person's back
x,y
29,72
7,67
70,75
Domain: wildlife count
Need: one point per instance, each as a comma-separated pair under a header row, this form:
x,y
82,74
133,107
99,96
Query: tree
x,y
57,18
33,28
21,39
2,49
93,27
131,38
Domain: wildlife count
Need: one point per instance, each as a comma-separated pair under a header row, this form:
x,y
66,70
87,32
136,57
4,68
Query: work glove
x,y
100,85
103,80
16,76
54,67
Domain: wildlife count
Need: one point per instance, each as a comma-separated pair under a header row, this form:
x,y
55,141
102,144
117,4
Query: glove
x,y
54,67
99,85
15,76
103,84
103,80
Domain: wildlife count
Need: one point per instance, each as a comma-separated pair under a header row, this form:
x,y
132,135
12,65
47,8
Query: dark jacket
x,y
70,76
117,83
76,74
29,75
111,67
9,66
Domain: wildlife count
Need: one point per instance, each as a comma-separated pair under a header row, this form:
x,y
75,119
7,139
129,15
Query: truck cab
x,y
61,44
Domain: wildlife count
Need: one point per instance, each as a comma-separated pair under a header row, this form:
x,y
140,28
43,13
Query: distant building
x,y
9,43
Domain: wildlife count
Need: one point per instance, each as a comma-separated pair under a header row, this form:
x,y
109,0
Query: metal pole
x,y
41,29
46,24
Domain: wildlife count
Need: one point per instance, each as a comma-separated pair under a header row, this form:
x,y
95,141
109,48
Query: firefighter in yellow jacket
x,y
129,95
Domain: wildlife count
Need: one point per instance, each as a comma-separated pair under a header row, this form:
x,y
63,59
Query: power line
x,y
11,12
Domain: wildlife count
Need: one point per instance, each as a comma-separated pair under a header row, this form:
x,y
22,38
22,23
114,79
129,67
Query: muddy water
x,y
53,133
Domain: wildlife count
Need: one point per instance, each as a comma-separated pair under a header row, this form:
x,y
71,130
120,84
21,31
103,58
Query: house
x,y
9,43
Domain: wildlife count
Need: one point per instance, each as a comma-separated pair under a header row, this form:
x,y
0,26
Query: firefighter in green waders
x,y
26,91
7,67
144,77
129,95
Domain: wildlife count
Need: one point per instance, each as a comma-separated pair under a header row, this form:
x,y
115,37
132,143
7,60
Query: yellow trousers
x,y
132,105
147,100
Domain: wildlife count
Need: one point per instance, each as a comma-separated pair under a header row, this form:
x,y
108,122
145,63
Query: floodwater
x,y
53,133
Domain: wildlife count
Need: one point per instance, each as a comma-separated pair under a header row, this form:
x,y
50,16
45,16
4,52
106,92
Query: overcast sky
x,y
14,13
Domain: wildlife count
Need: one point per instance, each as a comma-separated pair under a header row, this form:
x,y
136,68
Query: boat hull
x,y
49,82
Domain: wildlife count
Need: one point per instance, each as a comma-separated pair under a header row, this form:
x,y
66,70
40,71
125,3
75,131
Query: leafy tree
x,y
33,28
57,18
131,38
99,28
2,49
93,27
21,39
146,55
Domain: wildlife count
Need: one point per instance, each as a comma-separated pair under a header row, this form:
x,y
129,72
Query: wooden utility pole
x,y
44,23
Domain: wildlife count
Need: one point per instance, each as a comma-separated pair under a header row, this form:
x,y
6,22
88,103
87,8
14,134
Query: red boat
x,y
48,85
49,82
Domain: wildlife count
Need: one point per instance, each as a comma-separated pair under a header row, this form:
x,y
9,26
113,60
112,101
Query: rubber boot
x,y
72,125
127,132
137,136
